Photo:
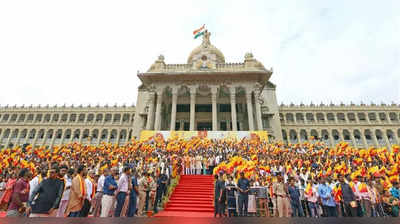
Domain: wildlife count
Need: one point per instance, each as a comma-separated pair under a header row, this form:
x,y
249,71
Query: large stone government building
x,y
206,93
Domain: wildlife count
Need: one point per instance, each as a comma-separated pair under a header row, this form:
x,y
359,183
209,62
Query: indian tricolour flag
x,y
199,32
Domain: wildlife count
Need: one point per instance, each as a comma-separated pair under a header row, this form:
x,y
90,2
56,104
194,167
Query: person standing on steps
x,y
122,191
219,196
243,187
133,195
109,188
77,193
231,198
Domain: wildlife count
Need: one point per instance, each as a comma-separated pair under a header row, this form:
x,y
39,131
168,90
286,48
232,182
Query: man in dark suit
x,y
243,187
347,197
219,197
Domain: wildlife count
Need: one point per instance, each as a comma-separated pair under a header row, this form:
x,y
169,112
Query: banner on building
x,y
231,135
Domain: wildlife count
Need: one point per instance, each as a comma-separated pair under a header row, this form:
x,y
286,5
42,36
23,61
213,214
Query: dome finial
x,y
206,38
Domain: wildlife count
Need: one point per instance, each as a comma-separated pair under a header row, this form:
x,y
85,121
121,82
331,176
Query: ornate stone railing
x,y
177,67
228,67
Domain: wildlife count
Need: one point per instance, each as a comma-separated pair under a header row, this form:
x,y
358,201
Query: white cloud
x,y
80,52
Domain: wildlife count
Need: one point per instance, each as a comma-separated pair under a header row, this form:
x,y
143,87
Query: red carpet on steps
x,y
193,197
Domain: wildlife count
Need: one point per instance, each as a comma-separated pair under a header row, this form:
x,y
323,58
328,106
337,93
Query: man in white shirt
x,y
99,193
90,190
36,181
304,175
65,196
122,191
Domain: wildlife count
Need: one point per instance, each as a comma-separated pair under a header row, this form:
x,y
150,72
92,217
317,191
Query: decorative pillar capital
x,y
232,89
151,97
159,92
192,90
175,90
248,95
214,90
248,91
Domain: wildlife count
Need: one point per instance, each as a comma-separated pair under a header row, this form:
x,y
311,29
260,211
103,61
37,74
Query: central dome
x,y
206,51
202,50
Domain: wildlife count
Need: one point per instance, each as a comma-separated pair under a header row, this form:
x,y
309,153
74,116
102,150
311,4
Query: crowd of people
x,y
253,177
309,180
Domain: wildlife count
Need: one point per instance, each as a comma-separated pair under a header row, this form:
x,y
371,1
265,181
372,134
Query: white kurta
x,y
252,204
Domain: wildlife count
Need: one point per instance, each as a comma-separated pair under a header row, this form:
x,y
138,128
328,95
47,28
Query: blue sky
x,y
89,52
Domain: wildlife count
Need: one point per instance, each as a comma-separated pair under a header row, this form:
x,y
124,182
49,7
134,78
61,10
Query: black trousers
x,y
349,211
219,207
243,204
85,209
331,211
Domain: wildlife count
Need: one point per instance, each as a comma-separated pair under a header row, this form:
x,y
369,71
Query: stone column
x,y
283,118
367,118
364,139
305,118
18,136
150,113
2,136
396,139
173,109
250,109
44,137
353,140
104,119
335,117
86,118
118,136
388,118
62,136
81,136
9,137
258,113
59,118
192,107
99,137
109,132
325,117
331,138
232,90
53,139
35,138
121,119
387,140
26,137
341,136
214,91
77,118
374,138
298,136
157,125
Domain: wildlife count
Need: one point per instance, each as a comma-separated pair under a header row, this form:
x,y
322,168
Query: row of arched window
x,y
357,137
61,136
351,117
66,117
